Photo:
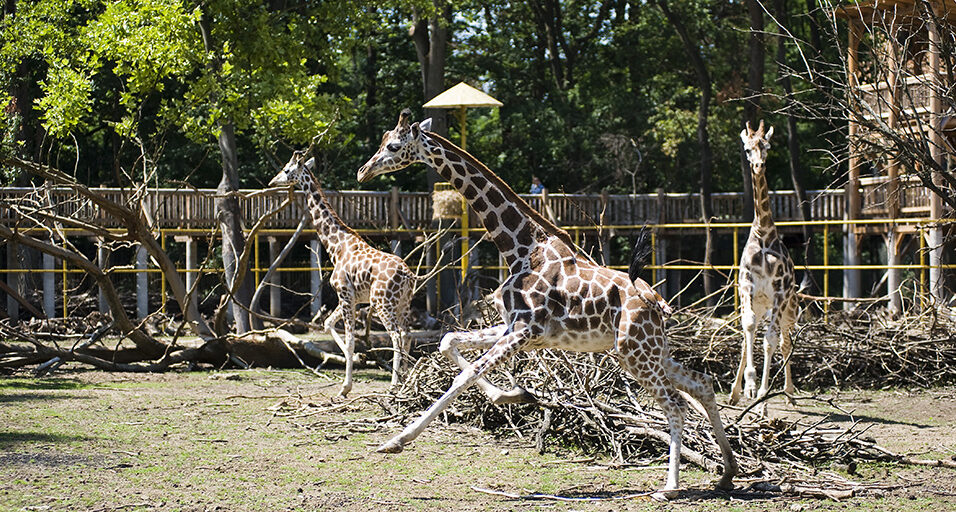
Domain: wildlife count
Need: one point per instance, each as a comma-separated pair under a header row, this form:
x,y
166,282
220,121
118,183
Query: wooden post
x,y
605,238
49,286
275,295
142,283
851,243
14,279
393,221
935,231
894,77
191,260
102,261
315,261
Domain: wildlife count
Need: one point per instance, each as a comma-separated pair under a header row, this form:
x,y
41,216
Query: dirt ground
x,y
100,441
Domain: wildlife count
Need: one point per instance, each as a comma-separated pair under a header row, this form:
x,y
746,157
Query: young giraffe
x,y
555,297
765,281
362,274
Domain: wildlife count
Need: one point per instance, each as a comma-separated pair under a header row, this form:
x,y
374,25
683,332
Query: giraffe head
x,y
400,148
297,172
756,144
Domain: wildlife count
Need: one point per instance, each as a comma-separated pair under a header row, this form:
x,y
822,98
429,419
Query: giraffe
x,y
361,274
555,297
765,281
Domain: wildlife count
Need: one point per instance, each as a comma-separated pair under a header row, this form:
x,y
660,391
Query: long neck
x,y
334,234
512,224
762,217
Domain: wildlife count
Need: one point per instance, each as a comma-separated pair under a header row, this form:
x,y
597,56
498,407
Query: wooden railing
x,y
913,98
195,209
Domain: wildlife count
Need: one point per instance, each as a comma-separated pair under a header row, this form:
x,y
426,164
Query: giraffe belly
x,y
576,341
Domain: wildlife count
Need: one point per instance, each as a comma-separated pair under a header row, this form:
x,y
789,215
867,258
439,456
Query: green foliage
x,y
131,76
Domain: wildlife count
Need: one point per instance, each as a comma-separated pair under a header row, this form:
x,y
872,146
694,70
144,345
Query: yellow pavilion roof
x,y
462,95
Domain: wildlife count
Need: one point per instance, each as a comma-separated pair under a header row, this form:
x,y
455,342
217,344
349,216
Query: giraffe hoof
x,y
518,395
392,446
665,494
725,484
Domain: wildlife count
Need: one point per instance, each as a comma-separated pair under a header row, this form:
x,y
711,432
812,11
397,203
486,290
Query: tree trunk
x,y
227,203
797,174
754,88
230,224
431,38
703,138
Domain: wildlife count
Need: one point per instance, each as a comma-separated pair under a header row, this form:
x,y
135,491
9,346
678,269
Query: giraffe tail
x,y
640,254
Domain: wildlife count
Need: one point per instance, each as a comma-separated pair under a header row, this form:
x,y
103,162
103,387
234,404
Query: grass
x,y
197,441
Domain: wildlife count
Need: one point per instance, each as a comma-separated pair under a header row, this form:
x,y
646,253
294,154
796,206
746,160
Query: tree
x,y
752,93
703,137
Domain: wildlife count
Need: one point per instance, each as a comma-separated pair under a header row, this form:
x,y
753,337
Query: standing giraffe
x,y
362,274
765,281
555,297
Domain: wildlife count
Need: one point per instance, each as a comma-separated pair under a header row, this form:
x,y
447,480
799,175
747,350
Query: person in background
x,y
536,186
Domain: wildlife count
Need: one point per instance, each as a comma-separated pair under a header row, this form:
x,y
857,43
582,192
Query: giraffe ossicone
x,y
765,282
555,297
361,274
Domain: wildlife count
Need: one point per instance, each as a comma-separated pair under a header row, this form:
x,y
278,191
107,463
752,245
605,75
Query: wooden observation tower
x,y
901,131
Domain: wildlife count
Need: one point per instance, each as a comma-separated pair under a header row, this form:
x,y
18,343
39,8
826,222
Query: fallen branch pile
x,y
862,348
587,404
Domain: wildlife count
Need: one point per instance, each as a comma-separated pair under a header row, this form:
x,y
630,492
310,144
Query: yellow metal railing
x,y
466,232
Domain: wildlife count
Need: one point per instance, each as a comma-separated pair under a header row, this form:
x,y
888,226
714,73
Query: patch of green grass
x,y
52,383
15,440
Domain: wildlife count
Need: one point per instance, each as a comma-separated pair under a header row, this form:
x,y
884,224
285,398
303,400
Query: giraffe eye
x,y
393,147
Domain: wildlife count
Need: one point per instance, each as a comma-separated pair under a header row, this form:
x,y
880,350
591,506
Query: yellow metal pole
x,y
736,250
826,270
162,278
256,266
464,130
464,238
922,265
65,289
464,203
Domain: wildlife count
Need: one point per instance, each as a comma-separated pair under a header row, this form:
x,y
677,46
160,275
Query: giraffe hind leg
x,y
482,339
700,387
674,407
398,336
502,349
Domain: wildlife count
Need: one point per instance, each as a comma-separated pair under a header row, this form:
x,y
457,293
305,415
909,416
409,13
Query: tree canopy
x,y
125,91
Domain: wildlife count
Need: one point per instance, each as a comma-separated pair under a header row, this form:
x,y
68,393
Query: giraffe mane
x,y
506,190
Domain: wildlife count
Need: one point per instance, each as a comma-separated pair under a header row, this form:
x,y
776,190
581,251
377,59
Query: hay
x,y
446,204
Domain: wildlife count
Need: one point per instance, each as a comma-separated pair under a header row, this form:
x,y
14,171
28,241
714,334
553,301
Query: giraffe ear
x,y
769,134
743,135
426,125
310,164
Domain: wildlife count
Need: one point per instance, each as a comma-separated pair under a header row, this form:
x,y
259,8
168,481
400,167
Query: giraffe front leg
x,y
771,340
746,372
502,349
482,339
